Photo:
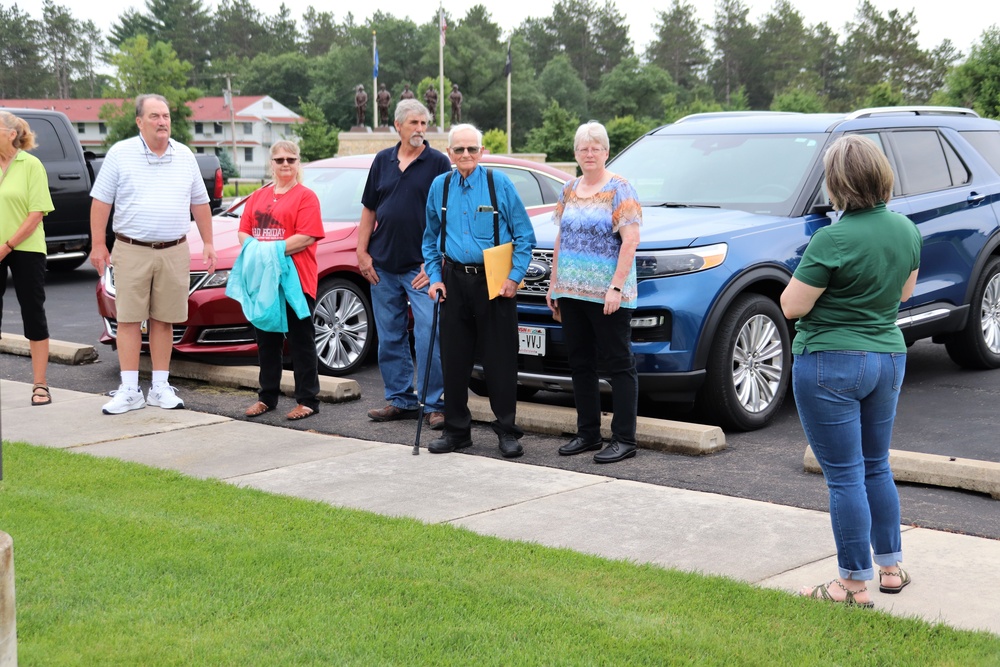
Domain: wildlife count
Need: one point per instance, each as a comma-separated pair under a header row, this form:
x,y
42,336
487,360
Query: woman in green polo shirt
x,y
24,201
849,362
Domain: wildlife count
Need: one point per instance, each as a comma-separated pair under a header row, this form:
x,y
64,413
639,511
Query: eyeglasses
x,y
458,150
590,151
154,159
283,160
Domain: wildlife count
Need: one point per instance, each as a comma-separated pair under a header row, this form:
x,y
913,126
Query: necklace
x,y
275,194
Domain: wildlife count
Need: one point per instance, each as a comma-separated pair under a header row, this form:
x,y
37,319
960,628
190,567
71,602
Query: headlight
x,y
109,281
217,279
673,262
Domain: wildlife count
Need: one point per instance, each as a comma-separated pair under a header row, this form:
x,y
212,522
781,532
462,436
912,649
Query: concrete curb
x,y
659,434
60,352
8,617
935,470
331,389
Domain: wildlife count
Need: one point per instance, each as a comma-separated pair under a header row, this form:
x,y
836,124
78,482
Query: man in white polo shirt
x,y
155,186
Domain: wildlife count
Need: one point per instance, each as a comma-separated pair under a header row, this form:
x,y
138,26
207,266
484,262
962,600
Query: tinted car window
x,y
922,161
988,145
339,192
755,173
49,147
551,187
526,185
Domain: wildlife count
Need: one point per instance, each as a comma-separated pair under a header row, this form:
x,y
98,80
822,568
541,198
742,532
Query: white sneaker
x,y
164,397
123,400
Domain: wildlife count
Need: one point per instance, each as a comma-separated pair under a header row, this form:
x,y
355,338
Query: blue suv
x,y
730,201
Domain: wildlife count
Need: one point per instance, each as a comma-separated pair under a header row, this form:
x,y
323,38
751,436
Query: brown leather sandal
x,y
300,412
257,409
39,390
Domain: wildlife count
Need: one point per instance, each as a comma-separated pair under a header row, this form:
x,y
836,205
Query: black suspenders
x,y
493,201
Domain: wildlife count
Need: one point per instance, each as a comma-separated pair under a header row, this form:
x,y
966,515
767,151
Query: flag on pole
x,y
507,65
375,68
444,25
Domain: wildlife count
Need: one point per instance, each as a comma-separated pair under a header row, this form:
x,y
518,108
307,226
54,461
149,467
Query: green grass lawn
x,y
120,564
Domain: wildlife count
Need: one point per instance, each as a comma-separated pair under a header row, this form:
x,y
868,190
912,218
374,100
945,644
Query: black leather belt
x,y
466,268
156,245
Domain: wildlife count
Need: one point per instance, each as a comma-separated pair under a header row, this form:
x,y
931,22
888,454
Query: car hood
x,y
227,243
677,227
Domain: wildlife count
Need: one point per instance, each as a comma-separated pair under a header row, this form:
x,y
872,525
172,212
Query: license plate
x,y
531,341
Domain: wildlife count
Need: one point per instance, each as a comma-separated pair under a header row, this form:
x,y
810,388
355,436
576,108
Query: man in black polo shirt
x,y
390,258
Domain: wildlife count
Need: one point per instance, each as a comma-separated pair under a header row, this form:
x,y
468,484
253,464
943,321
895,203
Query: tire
x,y
345,326
749,367
977,346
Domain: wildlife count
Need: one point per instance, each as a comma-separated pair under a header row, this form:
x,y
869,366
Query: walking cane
x,y
427,371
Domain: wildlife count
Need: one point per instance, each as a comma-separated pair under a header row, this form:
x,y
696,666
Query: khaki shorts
x,y
151,283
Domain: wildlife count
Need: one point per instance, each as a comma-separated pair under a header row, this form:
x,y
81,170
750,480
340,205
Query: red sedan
x,y
345,325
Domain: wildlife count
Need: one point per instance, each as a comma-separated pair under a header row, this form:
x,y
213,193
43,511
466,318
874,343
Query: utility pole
x,y
227,96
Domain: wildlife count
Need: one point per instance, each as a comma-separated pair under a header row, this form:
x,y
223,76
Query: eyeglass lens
x,y
283,160
472,150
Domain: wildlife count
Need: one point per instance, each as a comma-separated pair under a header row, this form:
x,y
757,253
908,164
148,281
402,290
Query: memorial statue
x,y
431,101
361,104
407,94
456,104
383,99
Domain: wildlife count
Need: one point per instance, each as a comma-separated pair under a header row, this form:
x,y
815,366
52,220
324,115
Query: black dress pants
x,y
471,321
591,336
302,346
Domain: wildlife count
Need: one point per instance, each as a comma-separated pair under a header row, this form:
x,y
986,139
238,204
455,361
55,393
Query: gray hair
x,y
461,127
591,131
407,108
140,102
290,147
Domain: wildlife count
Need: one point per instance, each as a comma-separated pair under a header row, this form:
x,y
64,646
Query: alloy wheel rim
x,y
758,363
990,321
341,328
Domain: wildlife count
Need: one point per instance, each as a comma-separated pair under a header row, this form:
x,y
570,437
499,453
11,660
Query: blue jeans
x,y
389,303
847,404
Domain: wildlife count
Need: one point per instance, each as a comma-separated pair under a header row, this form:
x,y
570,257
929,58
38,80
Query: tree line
x,y
574,64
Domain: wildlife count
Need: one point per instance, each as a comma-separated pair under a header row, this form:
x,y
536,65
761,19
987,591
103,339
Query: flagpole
x,y
375,81
508,68
442,96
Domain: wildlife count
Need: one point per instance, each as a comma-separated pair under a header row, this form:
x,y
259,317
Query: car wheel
x,y
749,367
978,345
345,326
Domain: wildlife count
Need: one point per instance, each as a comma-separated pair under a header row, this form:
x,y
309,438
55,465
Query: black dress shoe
x,y
615,452
445,446
578,446
510,448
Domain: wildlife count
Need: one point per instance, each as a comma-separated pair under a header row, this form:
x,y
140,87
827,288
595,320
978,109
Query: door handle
x,y
69,177
975,199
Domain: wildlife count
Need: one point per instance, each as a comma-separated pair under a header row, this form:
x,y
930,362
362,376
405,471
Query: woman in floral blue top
x,y
593,292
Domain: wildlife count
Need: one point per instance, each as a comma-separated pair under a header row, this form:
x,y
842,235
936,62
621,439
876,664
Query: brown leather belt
x,y
155,245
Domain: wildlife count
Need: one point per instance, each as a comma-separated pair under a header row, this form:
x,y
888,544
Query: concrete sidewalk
x,y
955,578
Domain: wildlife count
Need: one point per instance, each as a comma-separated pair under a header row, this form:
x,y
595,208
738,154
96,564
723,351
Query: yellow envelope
x,y
498,260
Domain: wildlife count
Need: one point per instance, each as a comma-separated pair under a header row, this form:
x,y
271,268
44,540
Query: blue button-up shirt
x,y
470,222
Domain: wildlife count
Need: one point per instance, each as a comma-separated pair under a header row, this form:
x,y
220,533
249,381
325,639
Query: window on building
x,y
247,128
199,149
268,105
102,128
248,154
218,151
81,128
199,128
217,128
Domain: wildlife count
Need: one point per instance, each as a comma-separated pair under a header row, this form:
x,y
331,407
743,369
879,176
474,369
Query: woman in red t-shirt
x,y
287,211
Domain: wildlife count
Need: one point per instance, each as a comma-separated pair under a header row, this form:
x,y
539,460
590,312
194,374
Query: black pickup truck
x,y
71,172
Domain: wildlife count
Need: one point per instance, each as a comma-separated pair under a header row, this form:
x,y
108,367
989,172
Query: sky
x,y
960,21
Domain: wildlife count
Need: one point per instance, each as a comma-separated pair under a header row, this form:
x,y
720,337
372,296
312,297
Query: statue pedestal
x,y
361,128
8,626
358,143
385,128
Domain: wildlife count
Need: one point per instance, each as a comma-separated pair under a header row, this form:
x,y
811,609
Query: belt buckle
x,y
158,245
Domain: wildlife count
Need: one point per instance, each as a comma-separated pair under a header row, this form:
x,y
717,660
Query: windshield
x,y
339,191
758,173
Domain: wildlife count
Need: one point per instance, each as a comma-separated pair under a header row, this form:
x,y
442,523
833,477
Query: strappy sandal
x,y
257,409
39,390
904,579
300,412
822,592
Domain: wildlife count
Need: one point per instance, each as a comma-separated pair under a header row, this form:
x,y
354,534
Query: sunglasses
x,y
284,160
458,150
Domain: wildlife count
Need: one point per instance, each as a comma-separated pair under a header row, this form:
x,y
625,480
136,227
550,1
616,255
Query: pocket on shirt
x,y
482,226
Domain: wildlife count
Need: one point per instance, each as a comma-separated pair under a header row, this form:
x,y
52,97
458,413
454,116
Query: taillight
x,y
218,184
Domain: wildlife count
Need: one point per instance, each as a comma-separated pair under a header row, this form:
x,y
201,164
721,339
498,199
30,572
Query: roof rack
x,y
732,114
915,110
